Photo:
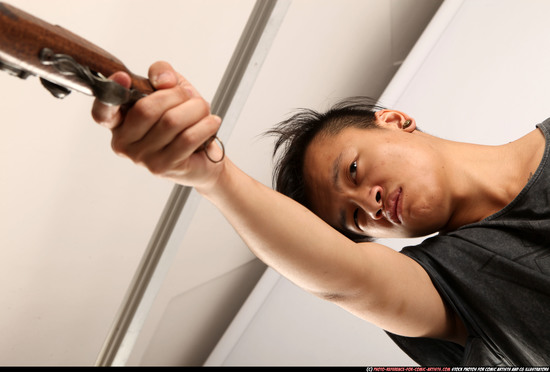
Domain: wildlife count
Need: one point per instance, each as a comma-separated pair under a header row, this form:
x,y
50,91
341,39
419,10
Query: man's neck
x,y
485,179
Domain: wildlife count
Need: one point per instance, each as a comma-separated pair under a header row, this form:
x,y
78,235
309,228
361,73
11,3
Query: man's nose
x,y
372,203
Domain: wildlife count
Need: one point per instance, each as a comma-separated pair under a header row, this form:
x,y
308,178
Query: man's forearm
x,y
284,234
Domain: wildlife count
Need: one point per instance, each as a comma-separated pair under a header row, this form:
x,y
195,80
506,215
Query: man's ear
x,y
395,119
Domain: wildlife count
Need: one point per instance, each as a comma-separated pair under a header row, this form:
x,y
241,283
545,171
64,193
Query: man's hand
x,y
166,130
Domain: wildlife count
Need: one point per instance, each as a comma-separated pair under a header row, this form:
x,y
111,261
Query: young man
x,y
373,174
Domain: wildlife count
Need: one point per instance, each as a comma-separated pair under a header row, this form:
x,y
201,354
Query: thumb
x,y
162,75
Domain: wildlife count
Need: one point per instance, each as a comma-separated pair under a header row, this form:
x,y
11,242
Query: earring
x,y
407,124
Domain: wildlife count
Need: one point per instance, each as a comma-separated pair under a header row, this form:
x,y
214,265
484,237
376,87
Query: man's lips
x,y
393,209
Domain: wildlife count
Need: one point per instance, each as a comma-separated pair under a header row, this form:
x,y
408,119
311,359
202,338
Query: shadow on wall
x,y
172,345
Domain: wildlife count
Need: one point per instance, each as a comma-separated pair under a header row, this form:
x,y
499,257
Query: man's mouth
x,y
393,210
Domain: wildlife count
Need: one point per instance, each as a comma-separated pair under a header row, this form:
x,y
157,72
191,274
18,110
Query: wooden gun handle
x,y
23,37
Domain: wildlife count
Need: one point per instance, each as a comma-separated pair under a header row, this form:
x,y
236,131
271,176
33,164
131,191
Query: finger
x,y
193,139
186,144
162,75
147,112
171,124
107,115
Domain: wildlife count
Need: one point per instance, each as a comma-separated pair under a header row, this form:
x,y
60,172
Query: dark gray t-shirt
x,y
496,275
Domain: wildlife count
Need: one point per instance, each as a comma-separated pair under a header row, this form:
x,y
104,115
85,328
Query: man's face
x,y
383,182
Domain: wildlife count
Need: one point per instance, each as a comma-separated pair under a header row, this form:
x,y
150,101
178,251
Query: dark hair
x,y
296,133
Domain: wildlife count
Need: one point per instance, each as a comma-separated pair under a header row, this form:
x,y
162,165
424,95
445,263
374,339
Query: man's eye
x,y
353,170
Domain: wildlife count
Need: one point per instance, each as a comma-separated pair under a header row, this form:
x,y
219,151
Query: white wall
x,y
76,219
324,51
480,75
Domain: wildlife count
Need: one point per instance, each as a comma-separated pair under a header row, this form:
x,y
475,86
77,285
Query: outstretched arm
x,y
165,131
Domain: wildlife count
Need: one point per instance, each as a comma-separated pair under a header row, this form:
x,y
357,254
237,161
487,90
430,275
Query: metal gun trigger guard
x,y
107,91
207,143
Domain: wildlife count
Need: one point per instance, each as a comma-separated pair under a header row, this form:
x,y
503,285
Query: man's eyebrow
x,y
336,172
335,178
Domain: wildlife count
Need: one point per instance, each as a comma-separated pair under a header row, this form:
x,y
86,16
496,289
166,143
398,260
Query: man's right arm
x,y
165,132
370,280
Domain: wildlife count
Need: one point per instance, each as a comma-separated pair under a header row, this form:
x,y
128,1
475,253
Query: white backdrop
x,y
75,219
480,73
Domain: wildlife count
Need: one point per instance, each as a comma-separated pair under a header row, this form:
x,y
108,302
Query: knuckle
x,y
153,168
205,107
118,146
139,159
170,120
214,122
105,119
188,139
98,117
141,156
144,108
156,167
201,106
